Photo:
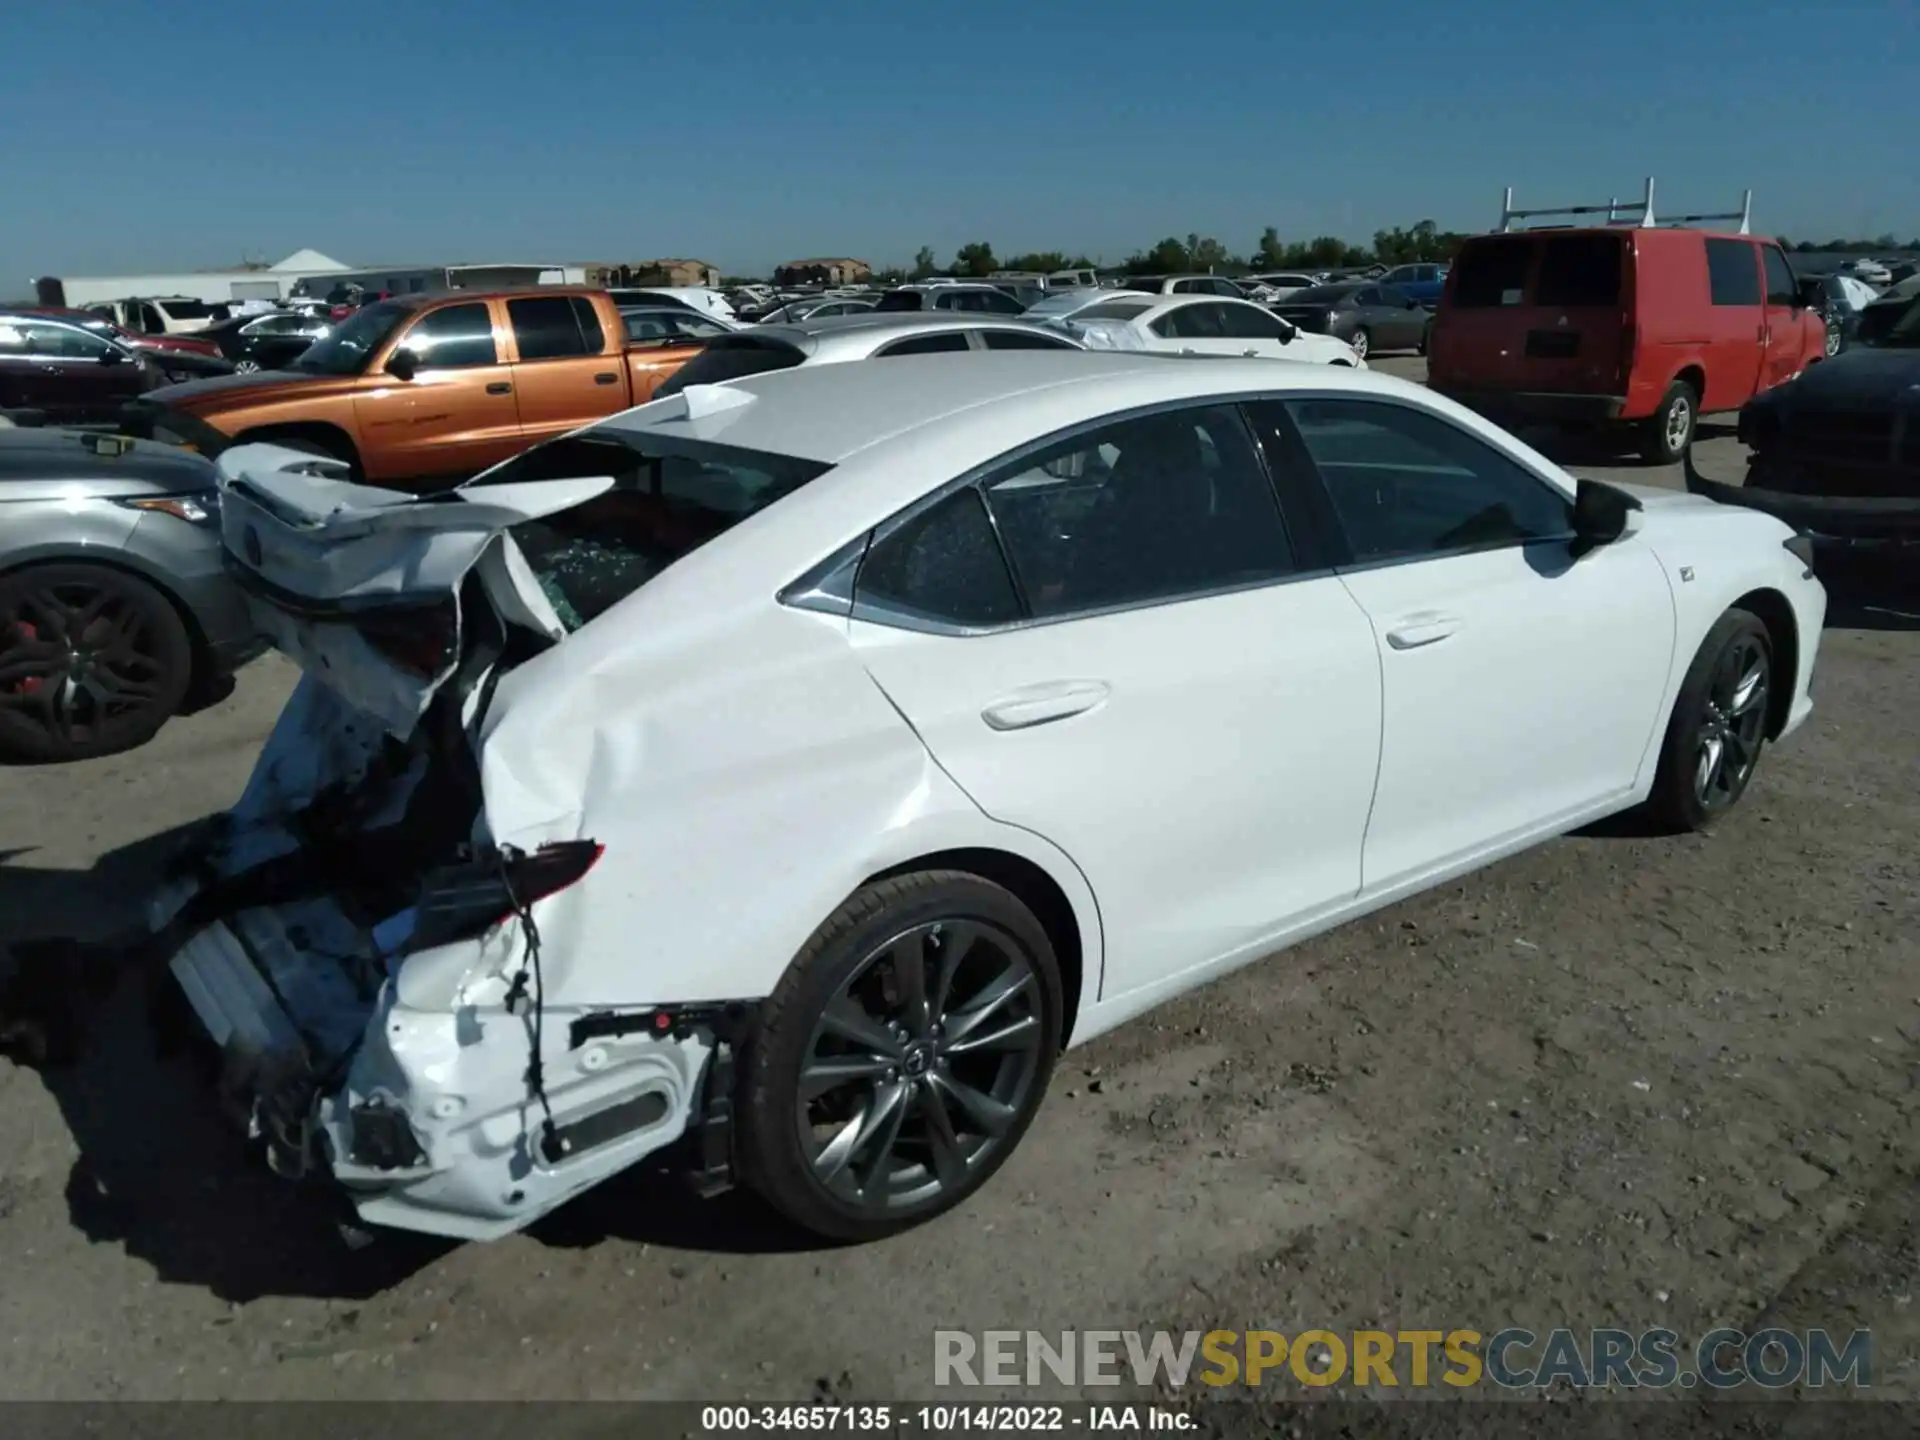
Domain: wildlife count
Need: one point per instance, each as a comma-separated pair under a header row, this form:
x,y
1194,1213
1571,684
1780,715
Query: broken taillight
x,y
458,902
423,641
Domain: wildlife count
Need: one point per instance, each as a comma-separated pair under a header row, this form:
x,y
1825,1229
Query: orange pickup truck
x,y
430,389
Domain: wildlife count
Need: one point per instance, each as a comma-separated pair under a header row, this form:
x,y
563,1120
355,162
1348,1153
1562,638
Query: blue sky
x,y
143,135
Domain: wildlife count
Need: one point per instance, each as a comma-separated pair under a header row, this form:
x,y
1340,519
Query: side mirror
x,y
112,355
1602,514
402,365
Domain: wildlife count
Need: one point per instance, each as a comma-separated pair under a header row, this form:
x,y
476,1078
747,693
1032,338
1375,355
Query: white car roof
x,y
829,413
855,337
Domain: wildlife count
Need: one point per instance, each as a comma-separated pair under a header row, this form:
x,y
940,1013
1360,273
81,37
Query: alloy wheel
x,y
1732,725
246,367
77,659
1833,341
1359,343
921,1066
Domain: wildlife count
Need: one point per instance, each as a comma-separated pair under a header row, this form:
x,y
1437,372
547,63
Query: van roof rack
x,y
1639,213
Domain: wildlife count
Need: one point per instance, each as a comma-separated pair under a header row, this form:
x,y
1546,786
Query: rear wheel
x,y
1360,342
246,365
1833,338
1718,726
1668,434
902,1056
1426,337
92,661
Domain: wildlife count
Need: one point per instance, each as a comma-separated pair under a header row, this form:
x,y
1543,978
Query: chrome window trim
x,y
830,586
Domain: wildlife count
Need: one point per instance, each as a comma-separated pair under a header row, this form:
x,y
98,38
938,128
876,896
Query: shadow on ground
x,y
1607,445
161,1172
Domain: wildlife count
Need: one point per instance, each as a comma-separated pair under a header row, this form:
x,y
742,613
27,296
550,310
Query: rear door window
x,y
1493,272
1579,270
1733,274
547,328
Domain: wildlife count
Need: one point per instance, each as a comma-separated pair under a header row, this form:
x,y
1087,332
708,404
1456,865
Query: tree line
x,y
1422,242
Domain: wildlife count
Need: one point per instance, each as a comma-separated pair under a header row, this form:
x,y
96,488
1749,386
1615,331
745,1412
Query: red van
x,y
1630,325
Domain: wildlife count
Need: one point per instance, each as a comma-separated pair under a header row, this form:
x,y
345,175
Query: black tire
x,y
1361,342
1665,437
1426,338
1710,704
93,661
1836,338
975,925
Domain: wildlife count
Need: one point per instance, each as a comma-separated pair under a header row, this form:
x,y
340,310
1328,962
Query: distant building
x,y
673,272
822,272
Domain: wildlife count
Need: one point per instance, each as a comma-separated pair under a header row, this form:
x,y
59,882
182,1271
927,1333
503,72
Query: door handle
x,y
499,387
1041,704
1250,352
1185,350
1422,629
605,378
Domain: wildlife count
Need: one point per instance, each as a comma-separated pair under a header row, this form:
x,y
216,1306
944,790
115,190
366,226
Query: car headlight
x,y
200,507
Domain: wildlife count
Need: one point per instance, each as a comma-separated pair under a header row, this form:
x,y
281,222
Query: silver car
x,y
115,610
760,348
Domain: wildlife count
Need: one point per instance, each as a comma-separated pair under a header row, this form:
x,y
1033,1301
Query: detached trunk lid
x,y
363,587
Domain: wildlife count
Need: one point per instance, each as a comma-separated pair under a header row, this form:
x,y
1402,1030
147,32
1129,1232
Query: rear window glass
x,y
1115,310
722,361
1579,270
667,501
902,300
1492,272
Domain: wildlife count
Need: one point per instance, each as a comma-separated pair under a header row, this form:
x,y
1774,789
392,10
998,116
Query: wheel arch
x,y
1693,374
322,432
1783,635
136,568
1035,888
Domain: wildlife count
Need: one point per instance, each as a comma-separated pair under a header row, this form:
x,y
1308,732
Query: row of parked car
x,y
1637,330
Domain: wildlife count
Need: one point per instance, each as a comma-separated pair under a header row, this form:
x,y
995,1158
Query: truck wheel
x,y
1668,434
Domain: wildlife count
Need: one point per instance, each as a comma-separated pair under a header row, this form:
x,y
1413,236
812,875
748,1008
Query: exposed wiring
x,y
555,1146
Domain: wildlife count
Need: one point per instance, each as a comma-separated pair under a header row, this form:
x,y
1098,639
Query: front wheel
x,y
902,1056
1718,726
1360,342
246,365
92,661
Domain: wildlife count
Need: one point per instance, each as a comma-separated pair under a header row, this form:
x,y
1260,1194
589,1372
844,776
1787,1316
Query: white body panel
x,y
1203,780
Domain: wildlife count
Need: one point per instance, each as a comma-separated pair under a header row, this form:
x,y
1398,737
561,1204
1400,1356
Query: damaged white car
x,y
796,765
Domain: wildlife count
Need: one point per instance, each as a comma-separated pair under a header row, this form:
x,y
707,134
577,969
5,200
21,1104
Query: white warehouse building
x,y
213,287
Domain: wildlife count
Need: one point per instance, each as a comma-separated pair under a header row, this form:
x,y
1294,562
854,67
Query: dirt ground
x,y
1621,1080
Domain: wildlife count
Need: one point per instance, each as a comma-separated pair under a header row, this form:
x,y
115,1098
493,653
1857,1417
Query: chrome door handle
x,y
1041,704
1424,629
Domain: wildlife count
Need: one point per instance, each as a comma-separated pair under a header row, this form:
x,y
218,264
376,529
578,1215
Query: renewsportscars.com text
x,y
1511,1358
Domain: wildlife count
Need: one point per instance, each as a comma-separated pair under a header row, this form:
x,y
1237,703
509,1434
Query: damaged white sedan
x,y
794,766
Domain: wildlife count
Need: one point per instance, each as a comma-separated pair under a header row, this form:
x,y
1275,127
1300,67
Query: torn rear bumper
x,y
432,1125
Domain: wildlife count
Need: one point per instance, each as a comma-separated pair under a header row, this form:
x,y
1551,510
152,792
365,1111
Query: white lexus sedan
x,y
1201,325
799,764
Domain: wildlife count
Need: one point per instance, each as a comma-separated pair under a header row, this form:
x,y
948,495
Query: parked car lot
x,y
1618,1075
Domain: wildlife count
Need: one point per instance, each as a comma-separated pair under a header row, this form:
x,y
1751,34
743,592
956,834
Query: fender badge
x,y
1686,571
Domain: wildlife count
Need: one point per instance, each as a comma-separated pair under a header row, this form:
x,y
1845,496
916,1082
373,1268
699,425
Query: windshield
x,y
189,309
350,345
730,360
669,498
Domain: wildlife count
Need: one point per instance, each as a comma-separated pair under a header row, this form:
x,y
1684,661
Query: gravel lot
x,y
1620,1080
